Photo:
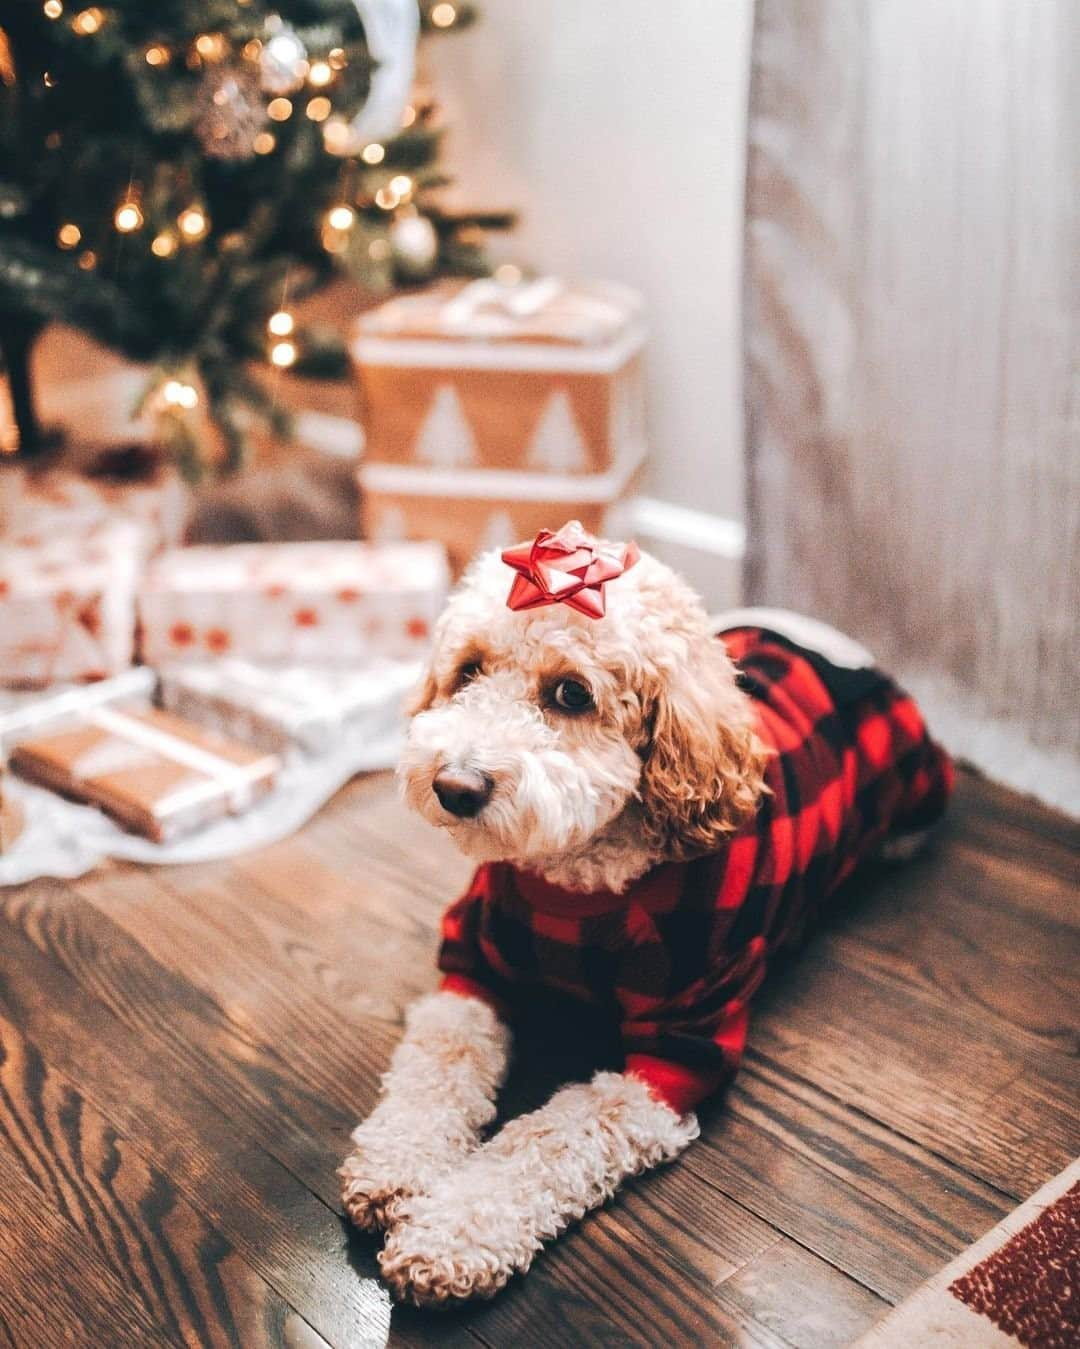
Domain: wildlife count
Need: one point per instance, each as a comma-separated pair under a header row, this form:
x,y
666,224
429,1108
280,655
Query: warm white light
x,y
128,217
318,109
320,74
409,115
87,21
193,223
442,16
163,245
53,9
157,55
387,198
373,153
280,324
507,274
88,260
263,143
179,395
379,250
67,236
402,184
283,353
341,217
279,110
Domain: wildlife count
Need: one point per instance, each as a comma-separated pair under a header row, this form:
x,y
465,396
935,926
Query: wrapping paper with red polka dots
x,y
330,603
67,604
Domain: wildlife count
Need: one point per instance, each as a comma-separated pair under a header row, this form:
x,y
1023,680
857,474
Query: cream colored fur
x,y
665,765
437,1095
487,1220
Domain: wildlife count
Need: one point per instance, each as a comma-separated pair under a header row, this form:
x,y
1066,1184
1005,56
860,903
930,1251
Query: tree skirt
x,y
63,839
1019,1285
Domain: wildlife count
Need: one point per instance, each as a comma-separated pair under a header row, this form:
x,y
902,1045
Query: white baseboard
x,y
707,549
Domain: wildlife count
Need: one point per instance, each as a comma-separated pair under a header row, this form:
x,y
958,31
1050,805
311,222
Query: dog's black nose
x,y
462,791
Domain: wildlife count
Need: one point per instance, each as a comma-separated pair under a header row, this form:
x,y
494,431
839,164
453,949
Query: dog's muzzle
x,y
462,791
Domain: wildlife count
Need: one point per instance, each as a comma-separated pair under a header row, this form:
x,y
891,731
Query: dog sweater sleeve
x,y
466,968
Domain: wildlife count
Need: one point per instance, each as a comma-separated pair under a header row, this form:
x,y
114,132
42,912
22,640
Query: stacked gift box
x,y
492,410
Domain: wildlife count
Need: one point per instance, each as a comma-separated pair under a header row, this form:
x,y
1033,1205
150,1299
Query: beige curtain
x,y
913,348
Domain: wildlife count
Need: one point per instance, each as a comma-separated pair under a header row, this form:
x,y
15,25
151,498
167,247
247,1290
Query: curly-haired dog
x,y
656,810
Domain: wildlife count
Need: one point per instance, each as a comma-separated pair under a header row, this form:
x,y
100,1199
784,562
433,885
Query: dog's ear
x,y
703,764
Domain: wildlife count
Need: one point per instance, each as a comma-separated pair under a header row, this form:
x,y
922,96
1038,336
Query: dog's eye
x,y
571,695
467,673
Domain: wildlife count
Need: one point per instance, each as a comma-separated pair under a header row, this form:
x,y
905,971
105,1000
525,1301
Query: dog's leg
x,y
487,1219
437,1095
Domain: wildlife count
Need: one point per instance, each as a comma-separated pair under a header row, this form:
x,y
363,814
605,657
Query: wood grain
x,y
187,1049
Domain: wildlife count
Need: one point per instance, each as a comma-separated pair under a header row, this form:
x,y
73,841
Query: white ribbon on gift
x,y
491,309
218,776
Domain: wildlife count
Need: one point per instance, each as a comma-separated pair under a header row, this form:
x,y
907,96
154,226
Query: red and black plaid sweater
x,y
678,955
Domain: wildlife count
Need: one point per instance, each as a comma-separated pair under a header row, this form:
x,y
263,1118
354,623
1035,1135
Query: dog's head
x,y
536,730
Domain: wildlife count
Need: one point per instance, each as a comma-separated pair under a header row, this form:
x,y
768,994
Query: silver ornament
x,y
283,63
415,245
229,112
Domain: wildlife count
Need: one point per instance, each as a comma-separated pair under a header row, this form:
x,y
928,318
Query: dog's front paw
x,y
383,1171
437,1255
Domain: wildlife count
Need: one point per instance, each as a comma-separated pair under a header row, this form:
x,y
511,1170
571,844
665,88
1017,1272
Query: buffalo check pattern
x,y
678,956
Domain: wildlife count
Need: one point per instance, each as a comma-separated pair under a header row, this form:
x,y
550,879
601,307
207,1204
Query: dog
x,y
658,805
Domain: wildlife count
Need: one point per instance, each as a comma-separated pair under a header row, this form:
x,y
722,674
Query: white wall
x,y
618,130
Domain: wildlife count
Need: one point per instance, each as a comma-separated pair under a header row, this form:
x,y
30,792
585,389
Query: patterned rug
x,y
1019,1285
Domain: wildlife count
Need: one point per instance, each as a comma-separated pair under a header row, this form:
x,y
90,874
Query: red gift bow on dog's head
x,y
567,566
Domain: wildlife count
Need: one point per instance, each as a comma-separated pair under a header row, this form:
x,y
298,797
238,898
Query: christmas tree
x,y
176,175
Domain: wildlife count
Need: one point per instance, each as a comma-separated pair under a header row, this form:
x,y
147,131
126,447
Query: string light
x,y
87,21
443,16
507,274
252,50
53,9
337,58
283,354
409,115
88,260
67,236
279,110
53,140
193,224
263,143
341,217
318,109
48,79
179,395
163,245
128,217
212,46
337,136
320,74
379,250
157,55
373,153
387,198
402,184
280,324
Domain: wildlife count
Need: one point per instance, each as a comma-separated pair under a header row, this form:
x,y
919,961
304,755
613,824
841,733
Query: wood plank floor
x,y
183,1053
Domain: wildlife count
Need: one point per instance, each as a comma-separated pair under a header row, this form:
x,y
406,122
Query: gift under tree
x,y
174,176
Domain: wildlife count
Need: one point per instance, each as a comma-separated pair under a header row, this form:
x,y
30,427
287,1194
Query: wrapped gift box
x,y
492,411
67,605
336,603
275,708
25,714
155,773
132,484
544,376
11,819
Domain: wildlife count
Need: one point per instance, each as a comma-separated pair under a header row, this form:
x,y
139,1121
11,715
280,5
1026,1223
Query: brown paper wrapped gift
x,y
11,819
543,376
153,772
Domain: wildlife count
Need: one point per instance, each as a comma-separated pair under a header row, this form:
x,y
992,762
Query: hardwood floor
x,y
183,1053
